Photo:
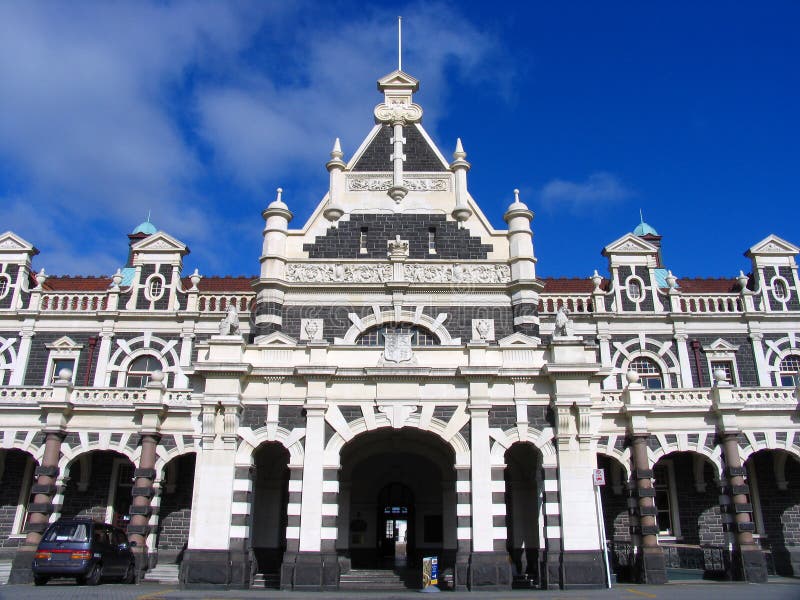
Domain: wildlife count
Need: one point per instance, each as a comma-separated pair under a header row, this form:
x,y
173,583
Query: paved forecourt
x,y
785,589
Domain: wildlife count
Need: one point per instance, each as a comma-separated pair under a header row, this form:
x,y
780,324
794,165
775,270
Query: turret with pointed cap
x,y
273,257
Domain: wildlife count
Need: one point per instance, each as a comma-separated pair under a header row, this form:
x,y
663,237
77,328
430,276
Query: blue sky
x,y
199,110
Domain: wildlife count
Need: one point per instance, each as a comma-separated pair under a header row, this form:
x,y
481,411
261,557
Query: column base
x,y
749,565
489,571
21,569
550,570
461,572
310,571
651,567
582,569
794,561
210,569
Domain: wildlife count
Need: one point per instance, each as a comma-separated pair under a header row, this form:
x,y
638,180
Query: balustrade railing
x,y
575,303
220,302
706,303
74,302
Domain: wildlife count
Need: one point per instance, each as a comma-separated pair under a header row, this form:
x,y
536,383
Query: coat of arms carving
x,y
397,348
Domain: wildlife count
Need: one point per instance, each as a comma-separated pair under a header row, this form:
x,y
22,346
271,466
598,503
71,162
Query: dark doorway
x,y
396,525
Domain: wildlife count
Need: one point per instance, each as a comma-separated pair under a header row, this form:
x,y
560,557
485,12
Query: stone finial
x,y
116,280
632,377
41,277
157,376
195,279
336,161
597,279
720,378
672,281
64,375
742,279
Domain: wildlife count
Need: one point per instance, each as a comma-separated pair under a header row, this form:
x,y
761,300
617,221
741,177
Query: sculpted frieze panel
x,y
382,184
413,272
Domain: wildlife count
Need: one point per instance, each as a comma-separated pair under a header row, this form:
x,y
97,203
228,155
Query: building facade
x,y
397,382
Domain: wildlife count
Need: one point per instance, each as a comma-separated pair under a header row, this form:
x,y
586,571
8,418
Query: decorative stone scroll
x,y
334,273
382,184
457,273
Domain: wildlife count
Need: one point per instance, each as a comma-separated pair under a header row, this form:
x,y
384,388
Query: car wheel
x,y
130,574
40,580
93,577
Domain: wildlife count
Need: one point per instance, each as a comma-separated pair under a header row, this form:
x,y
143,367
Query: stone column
x,y
23,353
489,567
650,564
55,411
748,563
150,410
103,356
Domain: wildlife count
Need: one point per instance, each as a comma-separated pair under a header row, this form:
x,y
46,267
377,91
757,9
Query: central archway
x,y
397,500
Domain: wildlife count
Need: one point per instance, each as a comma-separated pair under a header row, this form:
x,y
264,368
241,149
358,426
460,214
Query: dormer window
x,y
4,285
780,290
634,289
155,287
432,240
362,240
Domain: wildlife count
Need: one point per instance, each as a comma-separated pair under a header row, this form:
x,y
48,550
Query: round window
x,y
5,285
155,287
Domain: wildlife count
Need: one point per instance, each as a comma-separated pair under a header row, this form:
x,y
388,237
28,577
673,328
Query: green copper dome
x,y
644,229
147,228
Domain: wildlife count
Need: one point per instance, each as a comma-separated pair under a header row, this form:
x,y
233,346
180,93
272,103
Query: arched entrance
x,y
397,501
270,499
99,485
523,507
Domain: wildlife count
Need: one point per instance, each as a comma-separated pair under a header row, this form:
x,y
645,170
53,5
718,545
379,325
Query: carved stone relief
x,y
311,329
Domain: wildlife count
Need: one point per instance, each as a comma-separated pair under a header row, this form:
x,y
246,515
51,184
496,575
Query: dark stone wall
x,y
344,241
642,273
459,319
780,509
745,359
12,271
698,512
37,362
419,155
94,501
504,417
175,513
540,416
615,506
10,485
336,321
290,417
253,416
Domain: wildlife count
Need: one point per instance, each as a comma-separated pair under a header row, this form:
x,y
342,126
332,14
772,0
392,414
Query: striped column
x,y
499,525
551,516
463,524
652,568
241,505
330,510
293,509
144,476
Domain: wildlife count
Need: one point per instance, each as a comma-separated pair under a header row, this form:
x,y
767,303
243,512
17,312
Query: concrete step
x,y
163,573
368,579
267,580
5,571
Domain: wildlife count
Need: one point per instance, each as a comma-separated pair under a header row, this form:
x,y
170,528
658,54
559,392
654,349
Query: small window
x,y
155,287
140,370
634,290
649,374
779,290
790,371
432,240
4,285
62,363
727,368
362,240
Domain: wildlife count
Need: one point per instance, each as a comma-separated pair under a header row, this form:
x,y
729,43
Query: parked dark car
x,y
83,549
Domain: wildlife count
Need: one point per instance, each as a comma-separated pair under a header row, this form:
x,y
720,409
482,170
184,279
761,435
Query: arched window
x,y
649,374
376,336
155,287
790,370
140,369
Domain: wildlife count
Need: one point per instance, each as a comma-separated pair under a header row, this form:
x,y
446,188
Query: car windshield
x,y
67,532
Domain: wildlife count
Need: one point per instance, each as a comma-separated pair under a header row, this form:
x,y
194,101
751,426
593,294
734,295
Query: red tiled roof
x,y
68,283
571,285
214,283
699,285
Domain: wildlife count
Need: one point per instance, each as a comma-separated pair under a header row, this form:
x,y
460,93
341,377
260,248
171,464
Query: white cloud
x,y
598,191
108,110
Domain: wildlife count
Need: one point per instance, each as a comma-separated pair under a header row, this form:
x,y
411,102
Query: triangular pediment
x,y
276,338
773,245
518,339
11,242
398,79
160,242
720,346
64,343
629,244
